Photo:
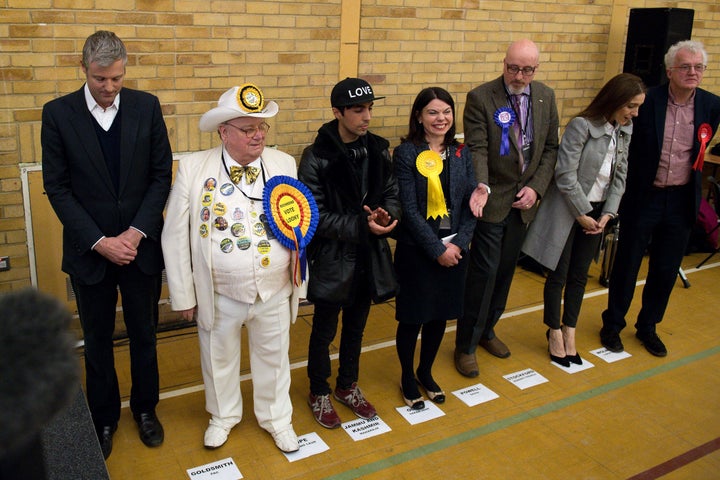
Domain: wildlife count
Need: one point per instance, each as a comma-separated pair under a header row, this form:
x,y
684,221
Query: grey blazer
x,y
582,151
483,136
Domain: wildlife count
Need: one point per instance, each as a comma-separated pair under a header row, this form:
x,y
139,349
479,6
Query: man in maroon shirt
x,y
662,195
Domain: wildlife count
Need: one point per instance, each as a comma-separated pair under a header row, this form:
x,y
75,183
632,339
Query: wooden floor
x,y
641,417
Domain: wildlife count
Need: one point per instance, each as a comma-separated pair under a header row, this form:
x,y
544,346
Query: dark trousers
x,y
96,307
324,329
493,256
570,274
663,224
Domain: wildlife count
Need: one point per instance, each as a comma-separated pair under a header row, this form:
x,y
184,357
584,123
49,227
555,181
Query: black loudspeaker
x,y
651,31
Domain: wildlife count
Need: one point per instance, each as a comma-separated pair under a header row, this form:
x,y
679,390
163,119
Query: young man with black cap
x,y
348,170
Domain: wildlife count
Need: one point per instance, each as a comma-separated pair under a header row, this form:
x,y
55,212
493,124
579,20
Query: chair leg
x,y
708,257
683,277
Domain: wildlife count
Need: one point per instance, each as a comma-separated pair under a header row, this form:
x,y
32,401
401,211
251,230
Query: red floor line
x,y
679,461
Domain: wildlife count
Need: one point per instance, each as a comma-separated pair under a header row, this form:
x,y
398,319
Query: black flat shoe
x,y
437,396
415,404
150,429
105,434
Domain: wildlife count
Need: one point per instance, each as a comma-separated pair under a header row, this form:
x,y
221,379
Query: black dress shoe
x,y
652,343
610,339
151,431
105,434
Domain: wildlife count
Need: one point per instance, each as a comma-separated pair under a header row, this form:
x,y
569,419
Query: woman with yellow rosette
x,y
435,177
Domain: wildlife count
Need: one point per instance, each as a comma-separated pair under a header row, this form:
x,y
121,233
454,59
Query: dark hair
x,y
615,94
416,133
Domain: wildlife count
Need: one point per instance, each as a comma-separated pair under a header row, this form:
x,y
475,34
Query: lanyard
x,y
262,172
523,127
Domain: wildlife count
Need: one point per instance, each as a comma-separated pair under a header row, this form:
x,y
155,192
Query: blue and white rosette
x,y
293,217
504,118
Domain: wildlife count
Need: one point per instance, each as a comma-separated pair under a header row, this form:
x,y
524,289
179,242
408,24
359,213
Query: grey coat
x,y
581,154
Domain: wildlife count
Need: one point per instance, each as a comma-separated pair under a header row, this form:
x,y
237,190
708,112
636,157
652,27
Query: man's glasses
x,y
514,69
250,132
685,68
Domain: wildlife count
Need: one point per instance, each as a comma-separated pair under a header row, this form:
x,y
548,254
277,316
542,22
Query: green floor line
x,y
519,418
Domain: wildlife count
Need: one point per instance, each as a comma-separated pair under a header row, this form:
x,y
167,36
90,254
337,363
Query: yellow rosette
x,y
430,164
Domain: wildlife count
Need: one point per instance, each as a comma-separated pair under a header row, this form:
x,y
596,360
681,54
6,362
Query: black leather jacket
x,y
342,241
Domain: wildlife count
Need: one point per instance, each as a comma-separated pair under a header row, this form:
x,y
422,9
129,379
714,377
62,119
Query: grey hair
x,y
104,48
689,45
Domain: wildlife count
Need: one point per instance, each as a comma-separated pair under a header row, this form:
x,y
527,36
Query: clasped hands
x,y
120,250
591,226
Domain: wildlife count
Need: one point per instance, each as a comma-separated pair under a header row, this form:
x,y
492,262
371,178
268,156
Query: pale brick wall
x,y
187,52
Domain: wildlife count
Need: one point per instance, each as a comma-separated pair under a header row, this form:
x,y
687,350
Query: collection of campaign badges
x,y
233,222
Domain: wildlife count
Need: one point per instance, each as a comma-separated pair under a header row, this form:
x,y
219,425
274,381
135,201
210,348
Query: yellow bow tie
x,y
251,174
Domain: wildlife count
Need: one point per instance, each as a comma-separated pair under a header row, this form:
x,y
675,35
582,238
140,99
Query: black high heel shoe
x,y
574,359
564,361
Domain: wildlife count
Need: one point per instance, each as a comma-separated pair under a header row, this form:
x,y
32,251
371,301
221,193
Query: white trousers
x,y
268,327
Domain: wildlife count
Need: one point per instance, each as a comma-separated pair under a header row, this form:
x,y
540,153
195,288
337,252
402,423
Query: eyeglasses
x,y
250,132
514,69
685,68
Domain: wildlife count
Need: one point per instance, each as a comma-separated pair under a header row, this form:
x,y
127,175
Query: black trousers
x,y
96,307
664,226
324,328
494,253
571,274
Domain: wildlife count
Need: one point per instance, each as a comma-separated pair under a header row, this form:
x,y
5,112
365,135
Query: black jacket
x,y
342,241
646,146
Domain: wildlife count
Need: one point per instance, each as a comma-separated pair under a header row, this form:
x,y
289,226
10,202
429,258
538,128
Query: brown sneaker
x,y
353,398
323,410
466,364
495,346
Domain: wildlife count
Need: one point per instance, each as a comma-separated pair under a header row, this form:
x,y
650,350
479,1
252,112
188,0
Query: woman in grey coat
x,y
584,195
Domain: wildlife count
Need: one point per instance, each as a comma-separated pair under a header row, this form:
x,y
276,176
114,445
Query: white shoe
x,y
286,440
215,435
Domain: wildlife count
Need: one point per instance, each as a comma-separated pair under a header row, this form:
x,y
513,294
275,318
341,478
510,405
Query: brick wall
x,y
187,52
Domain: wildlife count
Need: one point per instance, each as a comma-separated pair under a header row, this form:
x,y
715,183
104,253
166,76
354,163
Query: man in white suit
x,y
225,265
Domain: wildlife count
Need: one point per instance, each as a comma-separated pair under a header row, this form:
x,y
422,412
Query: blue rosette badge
x,y
504,118
293,217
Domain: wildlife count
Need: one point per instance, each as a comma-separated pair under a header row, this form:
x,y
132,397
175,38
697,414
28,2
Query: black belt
x,y
669,188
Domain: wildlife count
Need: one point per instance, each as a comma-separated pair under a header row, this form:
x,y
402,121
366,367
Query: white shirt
x,y
104,116
599,189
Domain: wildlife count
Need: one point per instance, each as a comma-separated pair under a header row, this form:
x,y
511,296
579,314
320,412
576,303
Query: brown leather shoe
x,y
466,364
495,346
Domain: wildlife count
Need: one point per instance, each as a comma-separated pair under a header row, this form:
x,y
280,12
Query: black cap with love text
x,y
352,91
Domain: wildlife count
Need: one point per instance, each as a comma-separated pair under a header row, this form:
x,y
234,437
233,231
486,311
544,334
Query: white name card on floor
x,y
310,444
574,368
224,469
361,429
609,356
414,417
475,395
525,378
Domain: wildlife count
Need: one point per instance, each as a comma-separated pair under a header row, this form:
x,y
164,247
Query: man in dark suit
x,y
107,172
511,128
662,195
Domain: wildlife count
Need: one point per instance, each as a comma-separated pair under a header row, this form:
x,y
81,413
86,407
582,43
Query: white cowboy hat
x,y
243,101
